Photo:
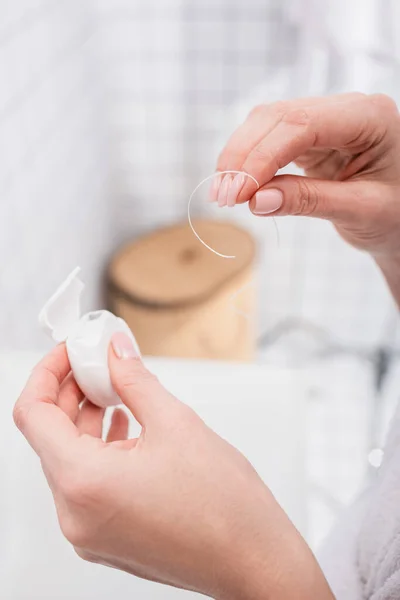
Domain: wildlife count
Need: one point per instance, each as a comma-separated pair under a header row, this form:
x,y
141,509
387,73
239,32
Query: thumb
x,y
138,389
344,202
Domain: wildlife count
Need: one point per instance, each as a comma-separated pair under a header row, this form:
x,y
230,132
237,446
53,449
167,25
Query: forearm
x,y
297,579
275,564
390,267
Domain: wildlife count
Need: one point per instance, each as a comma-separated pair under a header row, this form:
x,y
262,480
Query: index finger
x,y
45,426
353,125
262,120
259,123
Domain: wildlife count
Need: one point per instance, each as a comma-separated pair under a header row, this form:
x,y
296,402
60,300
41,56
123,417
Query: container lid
x,y
62,310
170,268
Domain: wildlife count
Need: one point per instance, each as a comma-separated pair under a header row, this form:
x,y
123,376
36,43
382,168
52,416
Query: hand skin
x,y
178,505
349,148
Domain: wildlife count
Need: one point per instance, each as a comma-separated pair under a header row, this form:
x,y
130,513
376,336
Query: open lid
x,y
62,310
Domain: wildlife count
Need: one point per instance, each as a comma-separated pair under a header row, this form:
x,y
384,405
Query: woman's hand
x,y
349,148
178,505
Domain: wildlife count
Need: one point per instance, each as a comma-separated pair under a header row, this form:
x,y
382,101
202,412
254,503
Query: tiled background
x,y
111,111
54,160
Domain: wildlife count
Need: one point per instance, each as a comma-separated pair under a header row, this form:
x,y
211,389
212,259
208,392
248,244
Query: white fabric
x,y
362,558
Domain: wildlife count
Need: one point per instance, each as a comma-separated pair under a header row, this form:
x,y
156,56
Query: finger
x,y
48,429
90,419
138,389
261,120
351,125
125,444
119,426
322,163
350,202
70,397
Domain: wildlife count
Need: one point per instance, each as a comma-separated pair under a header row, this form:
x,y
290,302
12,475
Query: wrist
x,y
274,564
291,575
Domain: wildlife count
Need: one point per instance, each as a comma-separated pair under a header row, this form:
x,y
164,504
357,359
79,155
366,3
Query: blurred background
x,y
112,111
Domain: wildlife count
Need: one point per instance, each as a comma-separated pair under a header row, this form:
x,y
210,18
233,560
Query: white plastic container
x,y
87,339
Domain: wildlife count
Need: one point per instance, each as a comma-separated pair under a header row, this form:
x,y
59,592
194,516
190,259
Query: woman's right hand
x,y
349,148
178,505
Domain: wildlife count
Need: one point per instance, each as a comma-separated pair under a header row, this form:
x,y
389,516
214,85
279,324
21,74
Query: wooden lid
x,y
171,268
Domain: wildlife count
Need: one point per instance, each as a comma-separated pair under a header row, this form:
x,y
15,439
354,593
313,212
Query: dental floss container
x,y
87,339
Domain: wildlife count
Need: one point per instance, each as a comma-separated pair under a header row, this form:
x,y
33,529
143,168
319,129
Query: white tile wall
x,y
54,207
177,76
180,75
111,111
140,49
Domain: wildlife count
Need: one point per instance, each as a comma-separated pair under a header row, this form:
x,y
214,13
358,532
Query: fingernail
x,y
123,346
214,188
235,189
223,190
267,201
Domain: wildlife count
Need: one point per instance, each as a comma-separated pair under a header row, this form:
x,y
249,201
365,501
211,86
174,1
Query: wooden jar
x,y
182,300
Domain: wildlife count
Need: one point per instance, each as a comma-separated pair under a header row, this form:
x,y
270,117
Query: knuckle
x,y
280,108
71,487
183,420
355,95
177,415
21,416
186,414
259,153
306,199
298,117
79,488
264,155
76,532
384,102
224,158
137,377
257,110
23,409
81,553
85,555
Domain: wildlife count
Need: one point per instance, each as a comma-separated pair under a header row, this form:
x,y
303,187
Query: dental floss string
x,y
190,203
192,195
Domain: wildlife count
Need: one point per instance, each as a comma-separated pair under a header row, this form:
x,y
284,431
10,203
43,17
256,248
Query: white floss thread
x,y
192,195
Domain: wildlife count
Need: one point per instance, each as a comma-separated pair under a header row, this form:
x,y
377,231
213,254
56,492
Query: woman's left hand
x,y
177,505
